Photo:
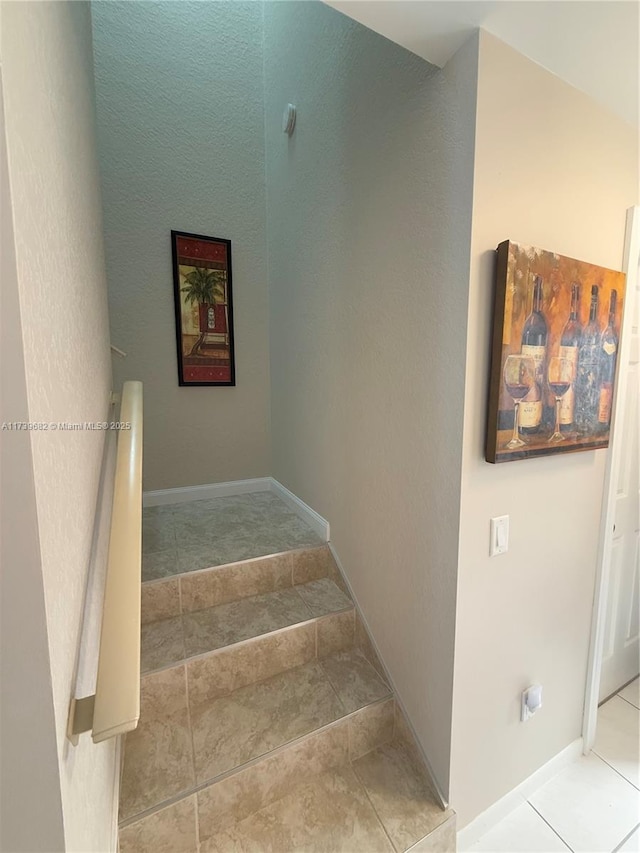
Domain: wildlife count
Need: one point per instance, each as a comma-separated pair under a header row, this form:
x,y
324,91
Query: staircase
x,y
266,721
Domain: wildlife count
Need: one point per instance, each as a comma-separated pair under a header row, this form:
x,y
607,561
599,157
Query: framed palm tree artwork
x,y
204,309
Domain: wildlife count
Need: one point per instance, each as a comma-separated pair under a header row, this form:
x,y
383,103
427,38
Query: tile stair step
x,y
189,734
198,590
168,641
266,720
354,786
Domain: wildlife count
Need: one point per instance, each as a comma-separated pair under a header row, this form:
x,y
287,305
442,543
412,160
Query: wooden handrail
x,y
115,708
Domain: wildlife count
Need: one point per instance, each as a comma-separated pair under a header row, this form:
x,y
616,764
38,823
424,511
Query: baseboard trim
x,y
315,521
434,782
519,795
208,490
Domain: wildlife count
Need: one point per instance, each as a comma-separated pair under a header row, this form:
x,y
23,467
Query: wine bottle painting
x,y
555,346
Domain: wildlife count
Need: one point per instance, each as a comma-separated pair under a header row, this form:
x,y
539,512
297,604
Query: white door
x,y
621,649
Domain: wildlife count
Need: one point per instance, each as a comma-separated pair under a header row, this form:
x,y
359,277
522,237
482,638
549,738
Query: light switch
x,y
499,543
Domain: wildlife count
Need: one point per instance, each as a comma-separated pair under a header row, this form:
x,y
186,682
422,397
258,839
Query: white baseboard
x,y
209,490
436,787
315,521
519,795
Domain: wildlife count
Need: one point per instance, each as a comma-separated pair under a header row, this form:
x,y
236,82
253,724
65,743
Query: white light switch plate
x,y
499,541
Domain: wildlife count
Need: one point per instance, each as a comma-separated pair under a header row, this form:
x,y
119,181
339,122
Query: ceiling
x,y
592,44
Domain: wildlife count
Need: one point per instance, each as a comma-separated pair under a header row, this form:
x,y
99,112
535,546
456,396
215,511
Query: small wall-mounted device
x,y
531,701
289,119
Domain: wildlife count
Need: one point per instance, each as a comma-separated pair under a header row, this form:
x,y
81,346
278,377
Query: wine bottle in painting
x,y
588,379
569,346
608,356
534,345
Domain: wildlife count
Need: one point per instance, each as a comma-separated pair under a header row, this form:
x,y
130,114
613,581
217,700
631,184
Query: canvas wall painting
x,y
204,309
556,333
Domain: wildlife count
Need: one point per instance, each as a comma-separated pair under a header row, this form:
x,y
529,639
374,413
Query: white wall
x,y
53,171
552,169
369,217
181,136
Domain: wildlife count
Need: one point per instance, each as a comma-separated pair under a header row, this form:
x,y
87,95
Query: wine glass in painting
x,y
560,376
519,375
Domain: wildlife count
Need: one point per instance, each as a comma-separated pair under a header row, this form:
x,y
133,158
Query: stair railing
x,y
114,709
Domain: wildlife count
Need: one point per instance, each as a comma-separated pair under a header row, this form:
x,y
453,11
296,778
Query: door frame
x,y
598,615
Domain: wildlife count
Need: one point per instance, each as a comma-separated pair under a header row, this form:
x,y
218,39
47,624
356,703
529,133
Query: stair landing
x,y
185,537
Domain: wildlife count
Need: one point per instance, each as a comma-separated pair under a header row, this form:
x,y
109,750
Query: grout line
x,y
542,817
628,701
615,770
375,811
190,723
626,838
196,807
396,728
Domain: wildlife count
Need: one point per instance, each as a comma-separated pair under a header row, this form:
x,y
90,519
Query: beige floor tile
x,y
206,630
370,728
229,669
158,534
311,564
441,840
363,642
196,535
335,633
158,758
171,830
323,596
161,643
354,679
240,795
160,600
329,815
206,589
260,717
400,795
159,565
404,736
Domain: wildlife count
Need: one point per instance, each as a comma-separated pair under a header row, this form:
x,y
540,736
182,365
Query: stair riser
x,y
193,591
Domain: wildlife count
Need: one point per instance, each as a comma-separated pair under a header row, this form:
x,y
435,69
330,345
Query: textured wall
x,y
29,768
552,169
369,218
181,136
48,90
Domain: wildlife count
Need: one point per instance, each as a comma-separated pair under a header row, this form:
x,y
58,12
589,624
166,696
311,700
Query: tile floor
x,y
185,537
593,805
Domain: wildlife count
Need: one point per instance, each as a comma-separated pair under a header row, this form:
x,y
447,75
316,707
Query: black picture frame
x,y
203,303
